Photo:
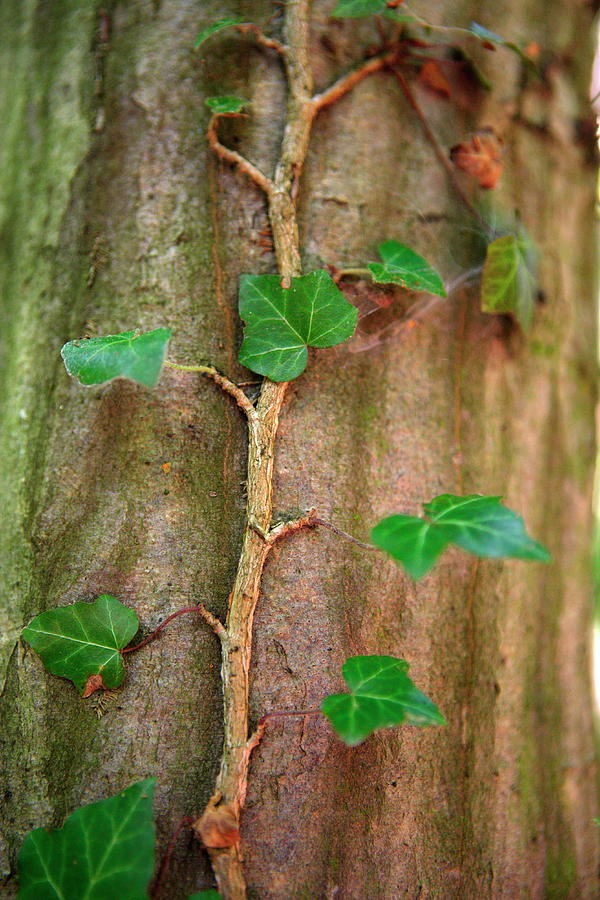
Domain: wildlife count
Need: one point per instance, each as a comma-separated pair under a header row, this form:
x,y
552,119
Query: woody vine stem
x,y
222,814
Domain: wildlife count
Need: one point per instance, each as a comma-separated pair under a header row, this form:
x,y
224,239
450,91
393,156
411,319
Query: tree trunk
x,y
114,215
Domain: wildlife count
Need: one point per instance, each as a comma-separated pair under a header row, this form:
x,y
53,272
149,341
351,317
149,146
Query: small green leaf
x,y
508,283
381,695
214,28
480,525
282,322
412,541
356,9
205,895
401,265
138,357
103,851
84,639
489,37
225,105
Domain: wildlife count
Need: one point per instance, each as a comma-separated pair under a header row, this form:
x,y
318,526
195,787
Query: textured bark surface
x,y
112,216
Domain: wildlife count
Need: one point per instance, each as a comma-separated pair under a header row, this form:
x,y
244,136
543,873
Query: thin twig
x,y
345,534
166,860
251,744
436,146
347,82
261,38
237,159
214,623
341,273
284,528
228,386
445,28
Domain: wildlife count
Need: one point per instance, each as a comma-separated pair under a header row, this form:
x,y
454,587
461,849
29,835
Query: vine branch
x,y
347,82
236,158
208,617
262,39
228,386
218,827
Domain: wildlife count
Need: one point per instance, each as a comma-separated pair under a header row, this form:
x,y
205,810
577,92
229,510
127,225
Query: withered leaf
x,y
480,156
218,827
432,76
94,683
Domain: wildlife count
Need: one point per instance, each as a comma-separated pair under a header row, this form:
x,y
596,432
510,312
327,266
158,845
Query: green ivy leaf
x,y
356,9
509,283
215,27
281,323
103,851
401,265
412,541
130,354
84,639
489,37
205,895
481,525
381,695
225,105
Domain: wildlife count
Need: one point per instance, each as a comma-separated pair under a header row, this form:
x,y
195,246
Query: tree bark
x,y
114,215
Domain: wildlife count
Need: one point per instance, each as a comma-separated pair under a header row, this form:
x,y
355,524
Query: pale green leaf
x,y
228,22
480,525
282,322
490,37
381,695
356,9
84,639
138,357
205,895
508,283
104,851
401,265
412,541
225,105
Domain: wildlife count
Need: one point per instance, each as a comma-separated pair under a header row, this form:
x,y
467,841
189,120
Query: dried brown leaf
x,y
93,683
480,156
218,827
432,76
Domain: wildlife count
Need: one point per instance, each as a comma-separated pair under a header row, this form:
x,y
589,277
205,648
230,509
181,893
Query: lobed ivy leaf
x,y
401,265
205,895
281,323
478,524
138,357
84,639
509,283
489,37
225,105
381,695
356,9
228,22
103,851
